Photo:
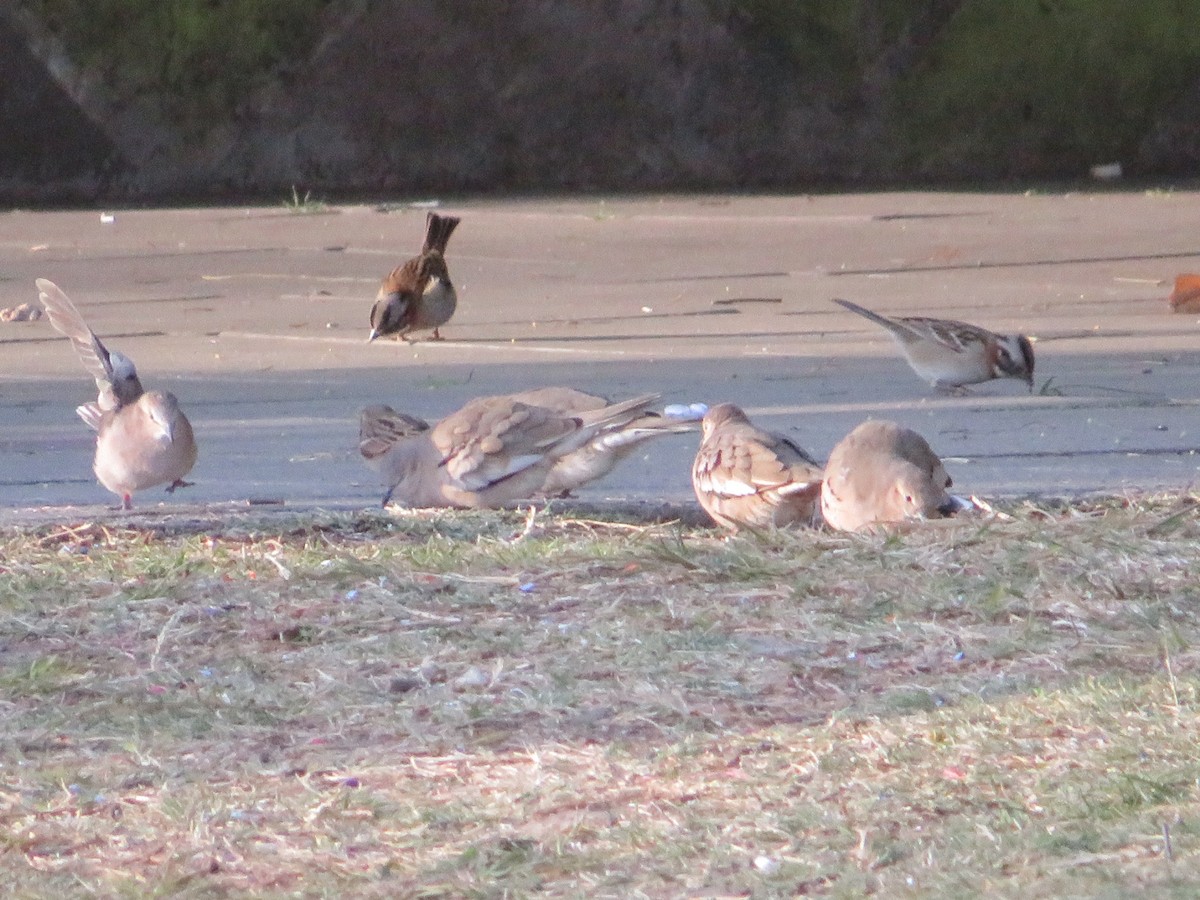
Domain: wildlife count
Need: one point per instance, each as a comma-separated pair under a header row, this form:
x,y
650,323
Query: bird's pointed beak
x,y
374,334
165,432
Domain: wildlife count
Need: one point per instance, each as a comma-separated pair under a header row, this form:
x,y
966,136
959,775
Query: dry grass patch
x,y
473,704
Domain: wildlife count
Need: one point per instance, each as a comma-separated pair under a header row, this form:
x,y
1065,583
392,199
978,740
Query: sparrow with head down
x,y
418,295
951,354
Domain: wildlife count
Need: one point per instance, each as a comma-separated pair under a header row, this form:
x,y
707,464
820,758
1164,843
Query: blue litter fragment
x,y
687,412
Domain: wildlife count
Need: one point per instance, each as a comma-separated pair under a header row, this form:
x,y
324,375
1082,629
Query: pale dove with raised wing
x,y
608,447
143,439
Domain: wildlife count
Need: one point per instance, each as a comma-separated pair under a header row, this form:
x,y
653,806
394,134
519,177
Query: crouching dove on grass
x,y
884,473
491,452
143,439
745,476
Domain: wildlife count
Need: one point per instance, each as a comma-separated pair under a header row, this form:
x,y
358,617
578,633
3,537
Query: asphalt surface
x,y
257,319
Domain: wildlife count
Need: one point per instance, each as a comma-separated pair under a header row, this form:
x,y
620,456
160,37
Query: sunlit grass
x,y
462,704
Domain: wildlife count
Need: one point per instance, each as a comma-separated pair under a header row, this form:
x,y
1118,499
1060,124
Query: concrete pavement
x,y
257,318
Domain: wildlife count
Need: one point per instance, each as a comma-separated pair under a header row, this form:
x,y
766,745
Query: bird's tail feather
x,y
866,313
437,232
625,411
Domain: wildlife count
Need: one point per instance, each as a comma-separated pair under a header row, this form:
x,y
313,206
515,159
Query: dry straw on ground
x,y
500,704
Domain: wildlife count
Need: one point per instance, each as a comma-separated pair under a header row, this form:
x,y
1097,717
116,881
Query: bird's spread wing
x,y
114,373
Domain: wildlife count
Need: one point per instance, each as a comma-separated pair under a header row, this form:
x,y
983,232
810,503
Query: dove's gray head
x,y
123,369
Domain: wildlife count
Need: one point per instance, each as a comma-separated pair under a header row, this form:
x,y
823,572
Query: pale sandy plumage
x,y
144,444
143,439
950,354
745,476
608,447
491,452
881,473
418,295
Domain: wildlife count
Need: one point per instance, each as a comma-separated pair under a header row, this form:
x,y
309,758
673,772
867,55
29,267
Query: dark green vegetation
x,y
1050,84
195,58
213,96
994,87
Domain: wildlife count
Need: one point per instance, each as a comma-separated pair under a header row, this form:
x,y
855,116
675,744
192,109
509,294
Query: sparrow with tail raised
x,y
418,295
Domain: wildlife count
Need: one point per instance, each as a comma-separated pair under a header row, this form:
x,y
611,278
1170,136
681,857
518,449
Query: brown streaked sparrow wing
x,y
440,300
395,307
437,304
